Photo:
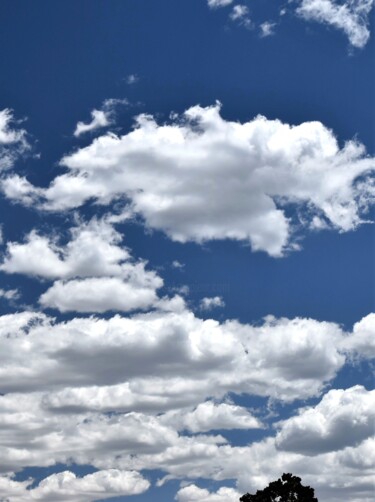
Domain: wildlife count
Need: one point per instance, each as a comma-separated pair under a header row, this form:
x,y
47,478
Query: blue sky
x,y
187,248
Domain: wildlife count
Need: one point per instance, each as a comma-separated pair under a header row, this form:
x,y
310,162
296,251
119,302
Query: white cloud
x,y
210,416
9,294
362,342
97,271
267,29
285,359
177,264
18,188
98,294
13,142
240,14
213,4
94,250
132,79
342,418
209,303
193,493
105,116
218,179
99,119
349,16
66,485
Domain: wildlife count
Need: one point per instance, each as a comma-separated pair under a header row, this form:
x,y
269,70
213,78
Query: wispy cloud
x,y
351,17
100,118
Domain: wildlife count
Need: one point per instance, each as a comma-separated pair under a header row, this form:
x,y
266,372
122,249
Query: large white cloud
x,y
343,418
202,177
349,16
285,359
67,486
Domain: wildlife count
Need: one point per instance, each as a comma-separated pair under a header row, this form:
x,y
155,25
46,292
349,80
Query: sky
x,y
186,249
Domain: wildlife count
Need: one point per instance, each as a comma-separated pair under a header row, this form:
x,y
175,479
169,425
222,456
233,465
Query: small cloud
x,y
209,303
240,14
131,79
9,294
177,264
182,290
215,4
13,140
267,29
100,118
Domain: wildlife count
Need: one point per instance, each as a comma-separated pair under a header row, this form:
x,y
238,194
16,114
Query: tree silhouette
x,y
286,489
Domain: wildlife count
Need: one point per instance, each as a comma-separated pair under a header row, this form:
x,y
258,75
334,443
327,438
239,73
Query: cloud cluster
x,y
248,173
93,271
350,16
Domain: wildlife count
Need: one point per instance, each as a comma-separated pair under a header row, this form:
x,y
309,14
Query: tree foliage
x,y
288,488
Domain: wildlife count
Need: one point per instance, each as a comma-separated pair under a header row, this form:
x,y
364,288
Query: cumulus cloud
x,y
210,416
193,493
96,272
285,359
209,303
202,178
95,249
103,117
18,188
362,343
66,485
13,142
97,295
342,418
349,16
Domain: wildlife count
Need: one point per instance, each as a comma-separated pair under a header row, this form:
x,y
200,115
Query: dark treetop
x,y
286,489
